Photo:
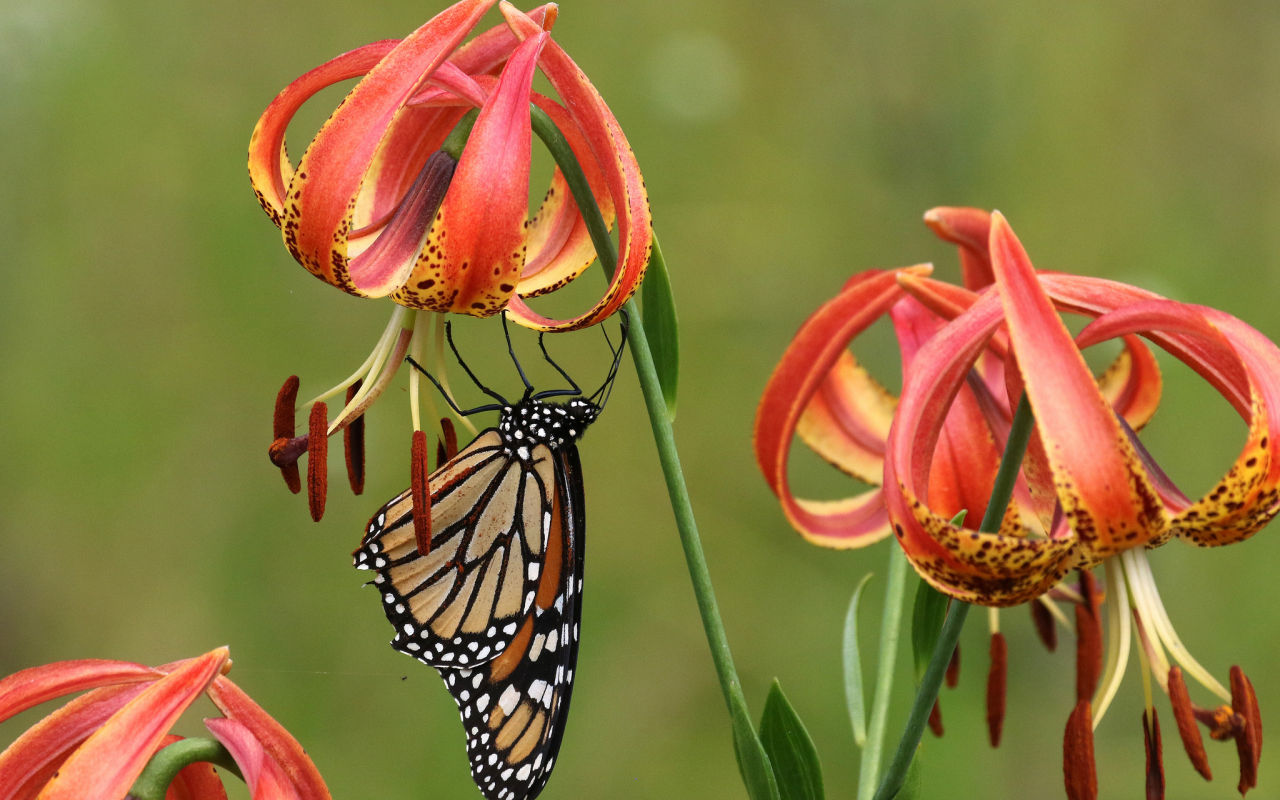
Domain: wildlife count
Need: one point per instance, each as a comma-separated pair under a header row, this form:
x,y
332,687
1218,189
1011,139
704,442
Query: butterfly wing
x,y
462,604
514,708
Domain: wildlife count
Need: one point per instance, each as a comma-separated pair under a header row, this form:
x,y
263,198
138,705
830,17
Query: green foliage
x,y
658,309
913,782
791,751
926,623
853,668
753,762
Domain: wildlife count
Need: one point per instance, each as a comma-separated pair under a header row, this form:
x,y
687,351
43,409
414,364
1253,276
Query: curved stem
x,y
165,765
1001,493
654,401
890,627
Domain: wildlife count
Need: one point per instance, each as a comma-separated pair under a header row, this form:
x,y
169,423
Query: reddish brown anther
x,y
996,687
1184,714
447,447
953,669
935,719
1088,638
1045,629
283,429
1155,755
1078,768
353,445
420,490
318,460
1249,735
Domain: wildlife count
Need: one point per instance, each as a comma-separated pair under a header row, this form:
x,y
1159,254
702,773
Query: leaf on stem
x,y
926,624
790,749
753,762
913,782
658,310
853,668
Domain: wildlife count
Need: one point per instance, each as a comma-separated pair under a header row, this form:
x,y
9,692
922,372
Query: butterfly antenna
x,y
606,388
448,332
576,390
506,331
448,399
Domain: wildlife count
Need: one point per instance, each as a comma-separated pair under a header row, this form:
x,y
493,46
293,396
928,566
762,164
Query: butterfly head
x,y
532,422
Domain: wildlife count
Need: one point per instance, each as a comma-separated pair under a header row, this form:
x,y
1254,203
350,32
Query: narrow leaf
x,y
912,783
926,624
853,668
753,762
791,751
658,310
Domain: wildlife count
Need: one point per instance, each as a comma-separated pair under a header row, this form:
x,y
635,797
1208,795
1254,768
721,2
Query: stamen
x,y
1249,737
1155,755
379,349
996,687
1150,650
953,668
1078,768
1117,635
353,446
935,719
283,429
1088,638
420,489
447,445
1184,715
1043,619
317,461
364,398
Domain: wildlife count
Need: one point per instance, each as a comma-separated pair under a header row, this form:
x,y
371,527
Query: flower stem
x,y
890,626
165,765
1001,493
650,387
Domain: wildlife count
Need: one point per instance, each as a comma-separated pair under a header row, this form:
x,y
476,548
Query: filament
x,y
444,376
1057,613
1117,637
380,347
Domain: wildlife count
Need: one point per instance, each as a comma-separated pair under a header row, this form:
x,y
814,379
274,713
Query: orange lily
x,y
386,202
96,746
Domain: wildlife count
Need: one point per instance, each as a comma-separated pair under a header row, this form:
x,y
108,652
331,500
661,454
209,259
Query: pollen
x,y
996,687
420,489
283,430
353,445
317,461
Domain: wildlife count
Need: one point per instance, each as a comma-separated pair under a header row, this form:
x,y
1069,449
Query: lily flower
x,y
98,745
1099,496
417,189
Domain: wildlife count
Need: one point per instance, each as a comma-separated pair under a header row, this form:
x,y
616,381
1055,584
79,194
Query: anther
x,y
318,460
283,429
935,719
1078,768
1249,737
420,490
953,668
1184,715
1155,755
1045,627
353,445
446,447
996,687
1089,638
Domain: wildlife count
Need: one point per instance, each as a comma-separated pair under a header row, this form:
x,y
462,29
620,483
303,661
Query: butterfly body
x,y
495,603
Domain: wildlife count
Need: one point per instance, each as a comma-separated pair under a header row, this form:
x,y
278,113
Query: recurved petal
x,y
31,687
1132,384
1105,494
847,420
968,228
476,248
803,369
269,167
32,759
985,568
265,779
621,174
275,740
318,208
108,763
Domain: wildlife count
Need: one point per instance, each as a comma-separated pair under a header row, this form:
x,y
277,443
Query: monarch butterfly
x,y
496,602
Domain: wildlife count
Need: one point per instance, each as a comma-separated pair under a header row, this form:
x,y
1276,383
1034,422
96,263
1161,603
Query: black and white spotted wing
x,y
495,604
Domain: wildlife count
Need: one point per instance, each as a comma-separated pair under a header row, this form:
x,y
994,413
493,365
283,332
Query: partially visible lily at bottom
x,y
108,742
1089,493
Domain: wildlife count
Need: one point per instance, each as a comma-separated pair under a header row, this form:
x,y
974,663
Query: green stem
x,y
1001,494
165,765
457,139
663,436
890,626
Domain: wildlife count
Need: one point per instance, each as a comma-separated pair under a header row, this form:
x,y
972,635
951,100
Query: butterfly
x,y
496,603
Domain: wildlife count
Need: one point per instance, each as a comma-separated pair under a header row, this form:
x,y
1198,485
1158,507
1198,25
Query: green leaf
x,y
791,751
753,762
912,782
926,624
853,668
658,310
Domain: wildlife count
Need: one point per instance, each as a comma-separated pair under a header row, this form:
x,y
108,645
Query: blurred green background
x,y
150,314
